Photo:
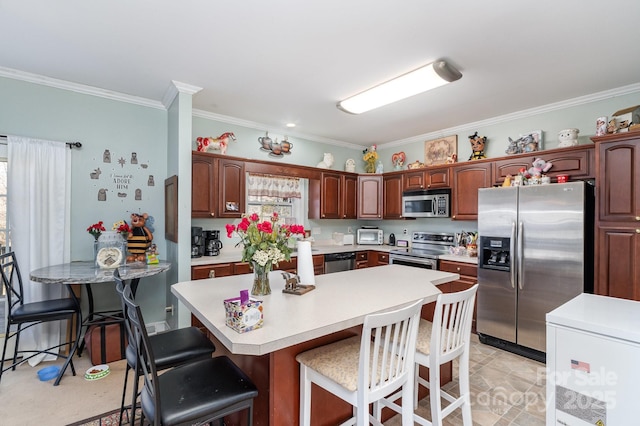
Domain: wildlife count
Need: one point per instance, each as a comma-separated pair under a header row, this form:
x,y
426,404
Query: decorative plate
x,y
109,257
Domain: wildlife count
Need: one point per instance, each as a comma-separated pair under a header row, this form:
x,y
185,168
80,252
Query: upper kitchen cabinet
x,y
392,190
217,187
617,271
431,177
333,196
618,174
577,162
370,195
466,180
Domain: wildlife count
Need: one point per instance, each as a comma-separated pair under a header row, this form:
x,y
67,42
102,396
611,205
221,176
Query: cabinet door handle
x,y
638,218
212,273
212,214
458,269
637,231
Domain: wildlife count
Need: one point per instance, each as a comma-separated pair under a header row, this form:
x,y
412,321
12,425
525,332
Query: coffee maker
x,y
212,243
197,241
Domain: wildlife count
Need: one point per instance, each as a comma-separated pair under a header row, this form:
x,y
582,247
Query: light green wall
x,y
44,112
49,113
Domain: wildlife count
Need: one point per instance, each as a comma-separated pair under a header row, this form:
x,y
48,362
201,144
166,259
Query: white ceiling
x,y
278,61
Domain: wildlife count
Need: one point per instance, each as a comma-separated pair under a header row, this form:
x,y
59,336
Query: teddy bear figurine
x,y
538,168
140,238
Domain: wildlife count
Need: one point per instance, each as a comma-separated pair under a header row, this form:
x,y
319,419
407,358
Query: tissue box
x,y
243,318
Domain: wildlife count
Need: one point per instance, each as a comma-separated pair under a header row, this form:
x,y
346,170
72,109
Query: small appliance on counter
x,y
197,241
392,239
212,243
370,235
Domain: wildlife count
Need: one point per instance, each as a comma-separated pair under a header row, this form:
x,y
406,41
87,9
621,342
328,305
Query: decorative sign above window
x,y
124,177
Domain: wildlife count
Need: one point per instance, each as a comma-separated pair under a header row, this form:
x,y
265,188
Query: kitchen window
x,y
284,195
4,234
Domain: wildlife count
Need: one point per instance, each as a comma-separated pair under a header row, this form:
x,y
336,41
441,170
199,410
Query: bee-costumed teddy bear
x,y
140,238
477,146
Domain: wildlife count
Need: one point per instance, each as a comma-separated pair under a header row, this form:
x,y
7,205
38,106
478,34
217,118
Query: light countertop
x,y
234,254
341,300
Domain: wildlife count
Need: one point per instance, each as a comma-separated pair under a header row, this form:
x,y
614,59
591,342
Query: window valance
x,y
273,186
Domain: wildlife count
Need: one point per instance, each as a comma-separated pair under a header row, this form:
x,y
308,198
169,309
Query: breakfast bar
x,y
334,310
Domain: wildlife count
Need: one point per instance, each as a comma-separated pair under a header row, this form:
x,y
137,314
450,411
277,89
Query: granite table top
x,y
86,272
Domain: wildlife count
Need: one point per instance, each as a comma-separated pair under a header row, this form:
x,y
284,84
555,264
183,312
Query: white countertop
x,y
341,300
607,316
455,258
234,254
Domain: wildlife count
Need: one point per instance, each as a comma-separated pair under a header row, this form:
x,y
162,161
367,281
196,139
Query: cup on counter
x,y
563,178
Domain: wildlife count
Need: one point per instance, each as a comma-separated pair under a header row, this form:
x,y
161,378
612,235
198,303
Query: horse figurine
x,y
220,143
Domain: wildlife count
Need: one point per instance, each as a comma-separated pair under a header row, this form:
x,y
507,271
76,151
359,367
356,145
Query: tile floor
x,y
506,389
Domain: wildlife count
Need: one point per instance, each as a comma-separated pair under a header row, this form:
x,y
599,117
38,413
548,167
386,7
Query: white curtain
x,y
38,204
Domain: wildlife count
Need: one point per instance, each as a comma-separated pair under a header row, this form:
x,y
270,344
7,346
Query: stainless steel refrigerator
x,y
535,253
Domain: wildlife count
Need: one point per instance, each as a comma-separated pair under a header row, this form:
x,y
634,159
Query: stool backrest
x,y
387,350
452,325
139,341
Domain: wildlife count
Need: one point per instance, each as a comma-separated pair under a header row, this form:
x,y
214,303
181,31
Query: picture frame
x,y
441,150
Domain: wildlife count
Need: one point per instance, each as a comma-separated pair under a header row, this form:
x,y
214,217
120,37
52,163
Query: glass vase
x,y
261,285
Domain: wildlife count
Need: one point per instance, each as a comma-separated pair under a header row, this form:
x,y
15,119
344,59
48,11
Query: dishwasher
x,y
337,262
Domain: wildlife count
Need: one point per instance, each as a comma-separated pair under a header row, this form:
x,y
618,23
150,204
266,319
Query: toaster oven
x,y
370,236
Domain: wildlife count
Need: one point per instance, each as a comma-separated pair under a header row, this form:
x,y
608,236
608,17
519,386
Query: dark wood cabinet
x,y
392,190
204,174
217,187
334,196
466,180
577,162
318,264
431,177
617,270
378,258
212,271
468,278
370,195
362,259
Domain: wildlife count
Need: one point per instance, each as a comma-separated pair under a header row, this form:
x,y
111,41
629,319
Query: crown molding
x,y
265,127
78,88
177,87
581,100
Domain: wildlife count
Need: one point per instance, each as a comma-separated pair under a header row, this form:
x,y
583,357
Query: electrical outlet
x,y
404,231
349,230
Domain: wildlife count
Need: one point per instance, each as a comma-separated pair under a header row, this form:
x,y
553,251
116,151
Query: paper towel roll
x,y
305,263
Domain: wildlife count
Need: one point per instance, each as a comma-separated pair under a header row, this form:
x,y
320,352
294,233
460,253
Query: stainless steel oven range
x,y
426,247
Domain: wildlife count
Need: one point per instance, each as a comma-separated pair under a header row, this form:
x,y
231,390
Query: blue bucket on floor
x,y
48,373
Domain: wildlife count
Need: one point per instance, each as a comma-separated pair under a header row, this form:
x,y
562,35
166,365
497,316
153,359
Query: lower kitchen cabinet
x,y
378,258
468,278
318,264
362,259
212,271
617,254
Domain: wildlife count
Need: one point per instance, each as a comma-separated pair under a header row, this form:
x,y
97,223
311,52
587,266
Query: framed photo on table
x,y
440,151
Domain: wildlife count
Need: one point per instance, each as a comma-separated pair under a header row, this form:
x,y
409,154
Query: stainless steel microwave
x,y
426,203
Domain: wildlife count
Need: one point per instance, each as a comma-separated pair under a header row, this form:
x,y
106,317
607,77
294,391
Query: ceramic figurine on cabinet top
x,y
327,161
210,143
568,137
350,165
477,146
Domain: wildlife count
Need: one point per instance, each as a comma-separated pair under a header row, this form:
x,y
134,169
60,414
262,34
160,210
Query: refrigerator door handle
x,y
512,246
520,255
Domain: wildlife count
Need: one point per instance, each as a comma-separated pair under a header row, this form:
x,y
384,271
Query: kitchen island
x,y
292,324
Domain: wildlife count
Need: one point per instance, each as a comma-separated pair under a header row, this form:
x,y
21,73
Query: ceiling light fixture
x,y
417,81
291,125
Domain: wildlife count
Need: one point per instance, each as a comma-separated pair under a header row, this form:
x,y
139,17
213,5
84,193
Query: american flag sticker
x,y
579,365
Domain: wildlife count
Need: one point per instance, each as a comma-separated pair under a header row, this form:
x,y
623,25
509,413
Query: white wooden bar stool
x,y
440,342
365,369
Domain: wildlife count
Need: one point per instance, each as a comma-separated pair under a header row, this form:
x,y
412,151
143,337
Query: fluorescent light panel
x,y
426,78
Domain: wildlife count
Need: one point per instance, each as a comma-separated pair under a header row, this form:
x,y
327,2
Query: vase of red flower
x,y
96,230
265,244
